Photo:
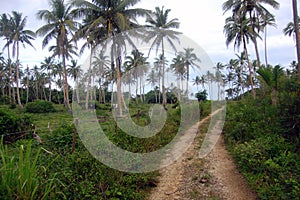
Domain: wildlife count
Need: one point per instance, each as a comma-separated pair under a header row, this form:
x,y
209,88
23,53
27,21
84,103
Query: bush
x,y
259,136
40,107
270,167
13,125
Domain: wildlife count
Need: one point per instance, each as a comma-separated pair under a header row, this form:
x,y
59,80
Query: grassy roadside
x,y
259,138
80,175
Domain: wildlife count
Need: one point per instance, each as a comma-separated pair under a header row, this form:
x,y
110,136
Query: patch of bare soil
x,y
213,177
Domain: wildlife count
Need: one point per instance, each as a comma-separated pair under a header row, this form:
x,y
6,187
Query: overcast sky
x,y
200,20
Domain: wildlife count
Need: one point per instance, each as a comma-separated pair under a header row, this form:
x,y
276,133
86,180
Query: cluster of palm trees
x,y
12,28
249,19
100,23
100,20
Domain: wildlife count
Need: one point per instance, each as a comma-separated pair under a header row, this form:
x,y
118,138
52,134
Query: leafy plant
x,y
19,175
13,126
40,106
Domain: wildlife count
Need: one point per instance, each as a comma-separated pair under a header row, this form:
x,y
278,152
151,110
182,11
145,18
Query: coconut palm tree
x,y
297,32
152,78
19,35
74,70
26,81
209,78
137,61
219,77
189,59
111,18
255,11
59,25
6,32
47,65
270,20
161,30
179,69
239,31
158,61
101,66
196,82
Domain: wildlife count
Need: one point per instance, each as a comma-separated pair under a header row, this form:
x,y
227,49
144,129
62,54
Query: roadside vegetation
x,y
46,169
264,139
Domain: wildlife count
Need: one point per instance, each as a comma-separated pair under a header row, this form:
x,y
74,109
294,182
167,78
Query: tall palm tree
x,y
74,70
179,69
158,62
152,79
197,82
59,24
136,61
190,59
47,65
6,32
101,65
26,80
161,30
270,20
110,18
219,77
239,31
209,78
19,35
297,32
257,15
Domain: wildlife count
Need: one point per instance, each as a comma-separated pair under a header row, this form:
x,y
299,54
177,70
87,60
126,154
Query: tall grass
x,y
19,175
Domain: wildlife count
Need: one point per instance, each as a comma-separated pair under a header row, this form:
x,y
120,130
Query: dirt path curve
x,y
190,177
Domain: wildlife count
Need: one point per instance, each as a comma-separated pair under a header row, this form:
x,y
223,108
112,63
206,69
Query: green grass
x,y
19,175
80,175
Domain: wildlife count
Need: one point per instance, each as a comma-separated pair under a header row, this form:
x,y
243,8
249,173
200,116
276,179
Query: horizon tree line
x,y
94,22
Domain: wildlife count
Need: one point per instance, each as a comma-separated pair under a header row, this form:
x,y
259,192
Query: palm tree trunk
x,y
266,53
141,95
9,74
256,51
44,92
136,90
296,23
249,68
255,41
77,91
27,85
66,86
89,81
159,85
163,77
119,88
17,78
187,79
50,92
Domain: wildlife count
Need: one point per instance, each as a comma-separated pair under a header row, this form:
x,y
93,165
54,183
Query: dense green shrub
x,y
270,166
13,125
40,106
258,135
4,99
